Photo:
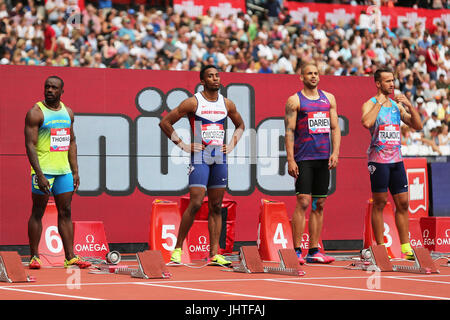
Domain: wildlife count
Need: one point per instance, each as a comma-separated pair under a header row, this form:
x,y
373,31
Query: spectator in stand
x,y
443,110
443,138
49,39
431,59
431,124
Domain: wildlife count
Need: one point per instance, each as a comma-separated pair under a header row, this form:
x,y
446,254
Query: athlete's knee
x,y
303,202
215,207
317,205
402,205
65,211
379,203
195,205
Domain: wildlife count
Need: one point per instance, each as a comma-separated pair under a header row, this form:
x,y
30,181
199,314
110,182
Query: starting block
x,y
151,265
250,262
12,269
377,259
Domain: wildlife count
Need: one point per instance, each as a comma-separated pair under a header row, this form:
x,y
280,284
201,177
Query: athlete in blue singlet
x,y
382,116
207,112
311,120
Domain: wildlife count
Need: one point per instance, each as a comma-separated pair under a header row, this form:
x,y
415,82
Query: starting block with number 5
x,y
151,265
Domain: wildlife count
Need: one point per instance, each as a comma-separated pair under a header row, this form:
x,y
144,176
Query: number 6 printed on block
x,y
50,239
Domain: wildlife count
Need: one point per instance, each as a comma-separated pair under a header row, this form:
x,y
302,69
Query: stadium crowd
x,y
57,33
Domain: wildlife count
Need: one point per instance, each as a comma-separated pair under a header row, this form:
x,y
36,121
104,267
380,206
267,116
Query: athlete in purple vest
x,y
310,121
382,116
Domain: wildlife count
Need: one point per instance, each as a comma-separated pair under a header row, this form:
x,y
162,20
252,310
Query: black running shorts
x,y
313,178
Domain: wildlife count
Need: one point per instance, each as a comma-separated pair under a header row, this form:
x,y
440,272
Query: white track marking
x,y
210,291
361,289
49,293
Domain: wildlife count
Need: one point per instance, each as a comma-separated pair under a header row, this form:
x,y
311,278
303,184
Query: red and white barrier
x,y
89,239
51,250
436,233
274,230
164,225
391,239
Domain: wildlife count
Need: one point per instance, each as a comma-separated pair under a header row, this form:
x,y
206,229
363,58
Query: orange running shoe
x,y
35,263
76,262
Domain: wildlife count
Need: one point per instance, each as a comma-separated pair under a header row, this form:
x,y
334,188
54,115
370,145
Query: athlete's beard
x,y
309,86
212,88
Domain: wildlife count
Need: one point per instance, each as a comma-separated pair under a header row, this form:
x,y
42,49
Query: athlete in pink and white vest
x,y
382,116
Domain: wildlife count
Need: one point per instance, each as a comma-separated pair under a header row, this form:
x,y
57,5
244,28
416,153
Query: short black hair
x,y
204,68
377,74
56,77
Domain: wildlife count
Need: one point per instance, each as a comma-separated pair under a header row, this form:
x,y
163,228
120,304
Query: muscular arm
x,y
409,115
335,131
239,126
166,124
370,112
73,161
33,120
290,119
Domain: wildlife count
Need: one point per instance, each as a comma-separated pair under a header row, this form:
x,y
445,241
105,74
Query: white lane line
x,y
361,289
49,293
211,291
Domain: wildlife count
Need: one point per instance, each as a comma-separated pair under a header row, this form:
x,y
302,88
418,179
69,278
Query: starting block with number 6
x,y
250,262
12,269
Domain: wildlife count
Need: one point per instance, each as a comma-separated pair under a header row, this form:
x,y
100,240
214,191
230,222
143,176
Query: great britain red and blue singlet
x,y
208,126
312,131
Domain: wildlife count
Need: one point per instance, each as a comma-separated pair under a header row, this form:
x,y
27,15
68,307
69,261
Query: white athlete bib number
x,y
59,139
319,122
213,134
389,134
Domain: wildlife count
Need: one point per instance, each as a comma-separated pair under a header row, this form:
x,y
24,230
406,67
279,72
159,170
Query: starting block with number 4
x,y
250,262
12,269
377,259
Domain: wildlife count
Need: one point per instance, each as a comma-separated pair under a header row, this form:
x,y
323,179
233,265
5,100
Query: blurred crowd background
x,y
104,35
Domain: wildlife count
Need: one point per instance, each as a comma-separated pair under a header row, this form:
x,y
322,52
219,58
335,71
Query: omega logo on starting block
x,y
202,245
90,245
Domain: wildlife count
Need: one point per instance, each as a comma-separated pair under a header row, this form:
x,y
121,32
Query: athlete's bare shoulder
x,y
229,104
34,115
293,103
329,96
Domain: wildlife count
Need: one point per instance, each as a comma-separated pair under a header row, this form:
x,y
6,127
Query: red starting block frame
x,y
12,269
151,265
250,262
377,259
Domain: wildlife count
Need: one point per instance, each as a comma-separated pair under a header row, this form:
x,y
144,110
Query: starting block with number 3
x,y
377,259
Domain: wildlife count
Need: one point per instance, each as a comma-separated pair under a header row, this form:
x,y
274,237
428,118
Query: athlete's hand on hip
x,y
293,169
193,147
333,161
76,181
43,184
227,148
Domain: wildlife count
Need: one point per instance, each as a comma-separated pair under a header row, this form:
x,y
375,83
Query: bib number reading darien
x,y
213,134
319,122
389,134
59,139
